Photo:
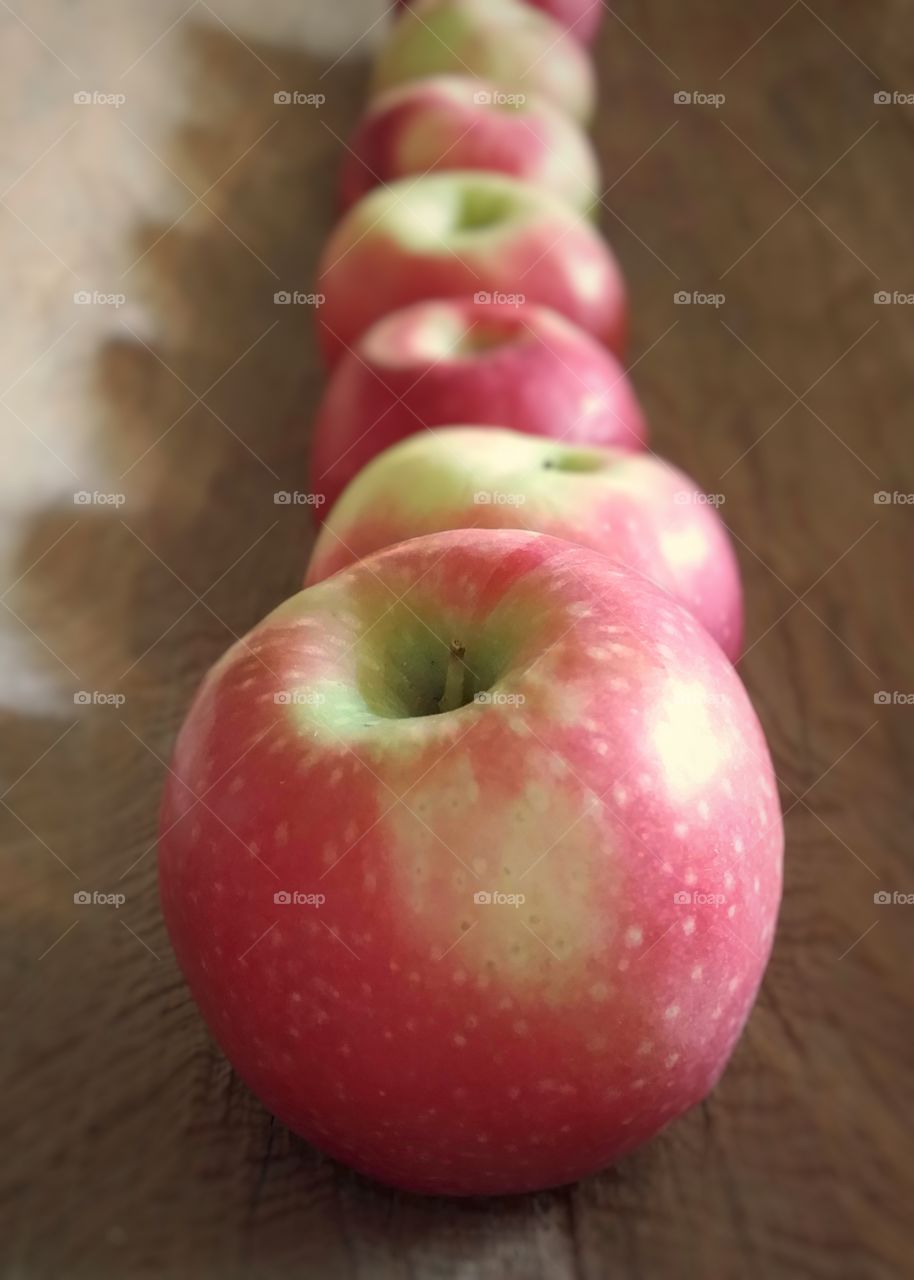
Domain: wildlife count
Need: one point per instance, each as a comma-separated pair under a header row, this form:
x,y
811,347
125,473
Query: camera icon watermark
x,y
297,898
485,898
94,298
298,498
83,898
693,298
493,698
893,298
96,698
895,499
498,98
82,98
882,898
298,698
693,898
297,98
883,98
893,698
83,498
296,298
487,298
697,498
496,498
694,98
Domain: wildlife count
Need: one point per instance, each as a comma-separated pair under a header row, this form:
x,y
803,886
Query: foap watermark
x,y
695,98
298,898
885,98
696,498
893,298
883,898
95,298
494,898
895,499
497,498
298,98
297,498
692,298
485,298
697,898
893,698
98,698
296,298
298,698
492,698
83,498
498,98
83,98
83,898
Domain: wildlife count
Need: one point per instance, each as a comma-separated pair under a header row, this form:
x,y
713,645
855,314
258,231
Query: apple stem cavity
x,y
454,679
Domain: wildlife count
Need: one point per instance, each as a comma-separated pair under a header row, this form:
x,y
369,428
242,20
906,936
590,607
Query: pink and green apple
x,y
519,48
633,507
465,234
436,363
471,857
580,17
456,122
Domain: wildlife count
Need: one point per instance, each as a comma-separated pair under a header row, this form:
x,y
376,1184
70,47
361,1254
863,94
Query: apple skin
x,y
436,363
456,122
580,17
429,1040
462,234
520,48
634,507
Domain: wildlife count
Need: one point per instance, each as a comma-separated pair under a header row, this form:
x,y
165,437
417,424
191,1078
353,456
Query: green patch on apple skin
x,y
519,870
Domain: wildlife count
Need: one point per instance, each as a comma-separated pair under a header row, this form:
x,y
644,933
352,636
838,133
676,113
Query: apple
x,y
436,363
581,17
456,122
632,506
471,857
519,48
464,234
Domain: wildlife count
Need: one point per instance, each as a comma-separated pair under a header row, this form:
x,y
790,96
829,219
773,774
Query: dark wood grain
x,y
132,1150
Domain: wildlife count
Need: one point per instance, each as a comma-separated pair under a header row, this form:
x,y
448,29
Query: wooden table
x,y
135,1152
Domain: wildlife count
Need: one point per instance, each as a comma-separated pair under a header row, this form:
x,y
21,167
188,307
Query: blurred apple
x,y
633,507
436,363
581,17
519,48
465,234
456,122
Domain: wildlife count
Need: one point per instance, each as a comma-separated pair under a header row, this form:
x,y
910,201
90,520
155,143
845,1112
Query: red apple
x,y
436,363
456,122
463,234
517,47
471,856
632,506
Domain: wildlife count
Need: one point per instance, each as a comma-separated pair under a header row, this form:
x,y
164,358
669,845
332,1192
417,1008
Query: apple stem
x,y
453,695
